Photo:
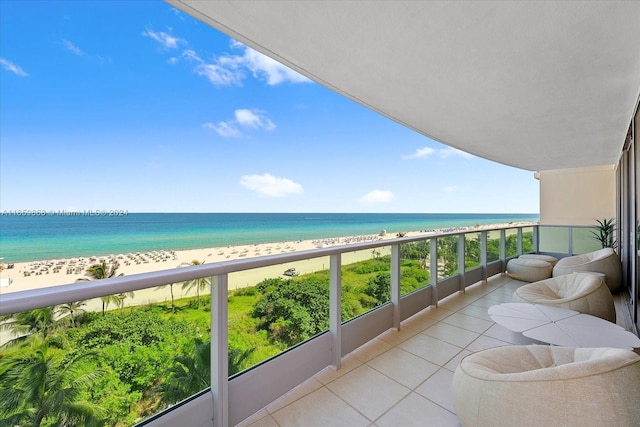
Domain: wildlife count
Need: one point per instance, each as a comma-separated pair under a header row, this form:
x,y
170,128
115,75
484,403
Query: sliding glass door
x,y
628,221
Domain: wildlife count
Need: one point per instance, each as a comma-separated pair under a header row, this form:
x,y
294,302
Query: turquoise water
x,y
31,238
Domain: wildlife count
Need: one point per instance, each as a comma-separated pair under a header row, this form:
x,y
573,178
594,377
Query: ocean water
x,y
53,235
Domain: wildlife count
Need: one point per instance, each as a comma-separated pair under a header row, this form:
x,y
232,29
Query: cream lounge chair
x,y
604,261
582,292
543,385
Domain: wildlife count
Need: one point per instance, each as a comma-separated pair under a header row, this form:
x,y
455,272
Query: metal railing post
x,y
461,258
219,350
503,250
395,285
519,246
335,308
483,255
433,261
536,239
570,241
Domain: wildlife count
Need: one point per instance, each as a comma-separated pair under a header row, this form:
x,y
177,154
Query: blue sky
x,y
137,106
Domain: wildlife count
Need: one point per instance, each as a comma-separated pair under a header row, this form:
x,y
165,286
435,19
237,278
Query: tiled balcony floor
x,y
401,378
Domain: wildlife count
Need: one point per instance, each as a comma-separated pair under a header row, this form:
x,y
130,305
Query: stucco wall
x,y
577,196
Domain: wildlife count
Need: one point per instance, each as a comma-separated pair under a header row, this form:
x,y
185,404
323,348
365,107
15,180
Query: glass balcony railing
x,y
228,338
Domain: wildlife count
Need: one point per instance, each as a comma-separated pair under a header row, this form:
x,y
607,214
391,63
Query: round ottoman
x,y
541,385
550,259
583,292
529,270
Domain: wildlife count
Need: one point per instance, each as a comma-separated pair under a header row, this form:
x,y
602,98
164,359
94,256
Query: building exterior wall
x,y
577,196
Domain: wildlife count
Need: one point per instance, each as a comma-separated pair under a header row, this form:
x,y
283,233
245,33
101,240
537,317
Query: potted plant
x,y
605,233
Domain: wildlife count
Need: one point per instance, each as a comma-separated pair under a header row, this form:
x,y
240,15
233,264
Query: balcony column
x,y
519,246
433,267
395,285
570,241
503,250
335,308
220,350
461,267
483,255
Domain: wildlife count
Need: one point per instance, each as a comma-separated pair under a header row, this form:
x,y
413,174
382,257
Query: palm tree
x,y
104,271
173,307
119,299
35,386
237,359
192,374
72,310
189,375
39,321
200,284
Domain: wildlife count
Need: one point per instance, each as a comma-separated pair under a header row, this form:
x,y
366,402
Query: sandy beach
x,y
37,274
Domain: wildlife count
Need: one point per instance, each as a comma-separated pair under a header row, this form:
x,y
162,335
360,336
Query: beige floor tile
x,y
432,313
319,409
267,421
476,311
478,289
451,334
371,349
438,389
404,367
438,313
329,373
498,298
418,322
484,302
469,323
368,391
394,337
484,342
453,303
453,363
262,413
432,349
415,410
503,334
504,291
296,393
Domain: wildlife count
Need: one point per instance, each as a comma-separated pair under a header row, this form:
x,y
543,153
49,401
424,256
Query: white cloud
x,y
450,188
254,119
450,151
267,185
443,153
219,76
377,196
231,69
10,66
217,73
72,48
225,129
245,119
263,66
165,39
420,152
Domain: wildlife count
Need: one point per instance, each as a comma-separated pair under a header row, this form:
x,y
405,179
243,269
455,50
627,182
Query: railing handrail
x,y
14,302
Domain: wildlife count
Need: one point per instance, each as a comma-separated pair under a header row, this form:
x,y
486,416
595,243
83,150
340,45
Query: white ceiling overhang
x,y
535,85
